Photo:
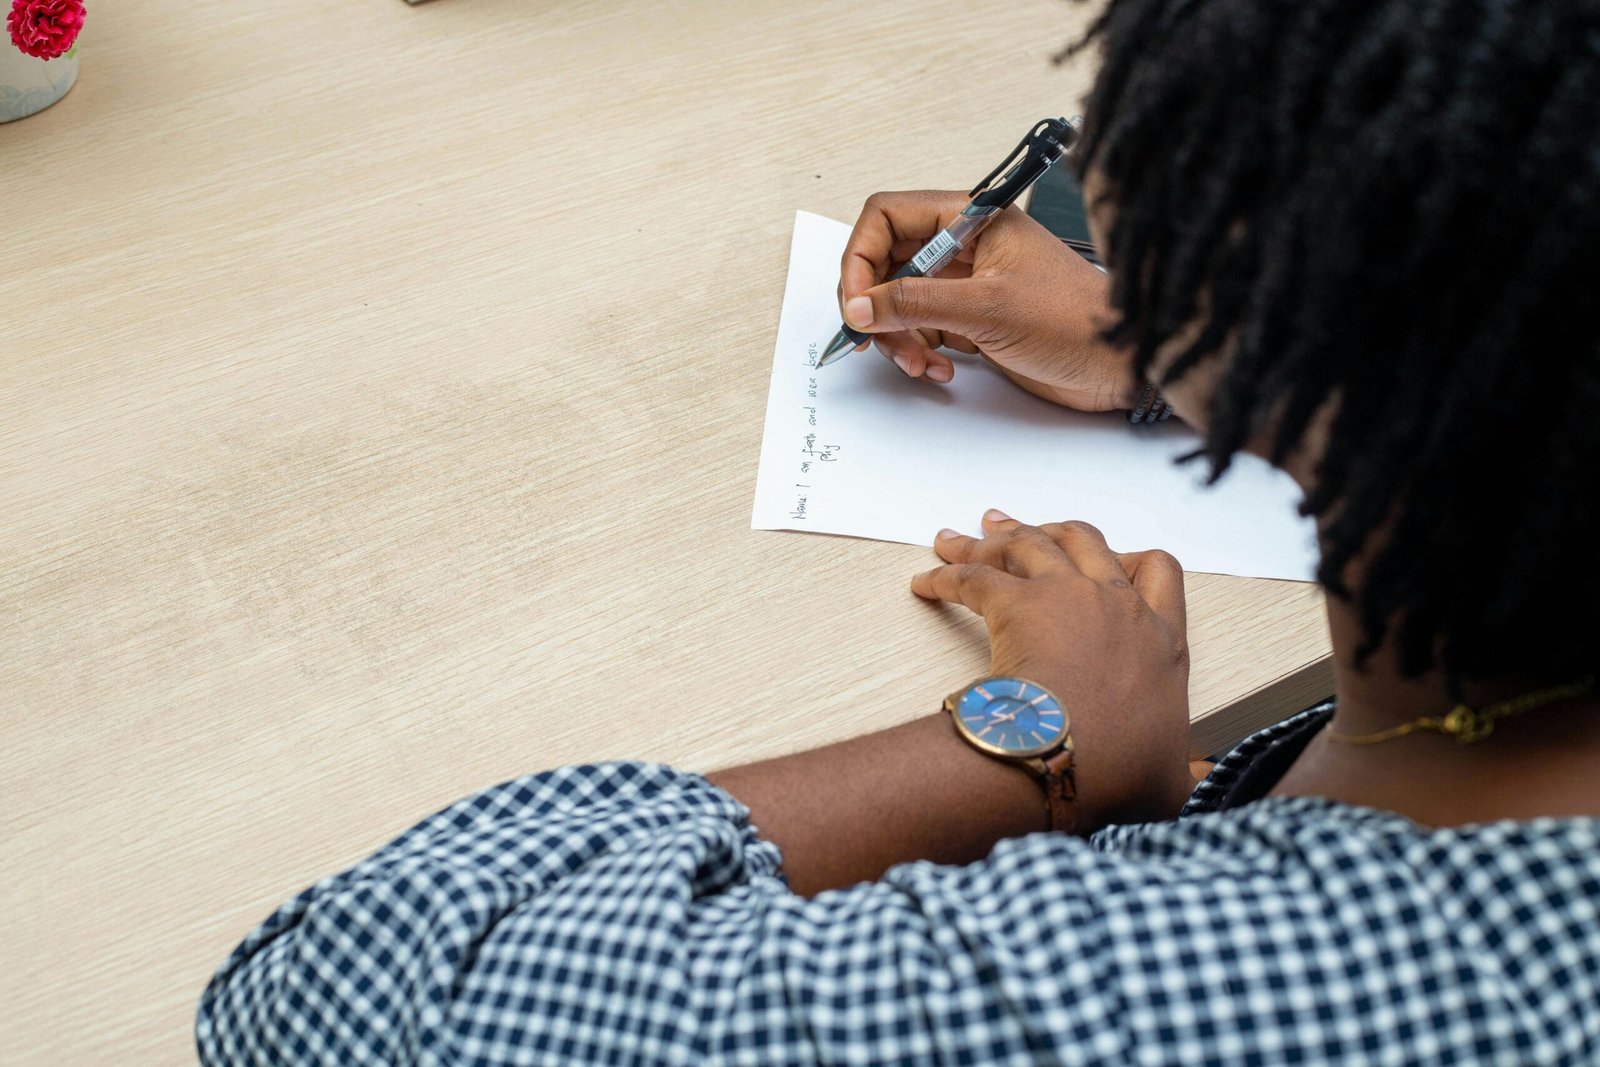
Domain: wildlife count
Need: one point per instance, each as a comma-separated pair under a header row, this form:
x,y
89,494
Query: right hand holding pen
x,y
1027,302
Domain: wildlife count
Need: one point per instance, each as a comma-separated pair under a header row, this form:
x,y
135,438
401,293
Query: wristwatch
x,y
1022,722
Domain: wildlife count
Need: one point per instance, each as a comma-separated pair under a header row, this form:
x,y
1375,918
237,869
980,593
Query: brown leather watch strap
x,y
1060,789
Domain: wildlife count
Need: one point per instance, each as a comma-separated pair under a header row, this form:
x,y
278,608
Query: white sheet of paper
x,y
857,448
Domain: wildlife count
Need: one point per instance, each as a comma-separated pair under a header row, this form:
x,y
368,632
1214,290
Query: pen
x,y
1047,142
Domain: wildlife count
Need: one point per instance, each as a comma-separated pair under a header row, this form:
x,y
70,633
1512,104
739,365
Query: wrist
x,y
1126,386
847,812
1122,783
1117,775
1017,803
1121,387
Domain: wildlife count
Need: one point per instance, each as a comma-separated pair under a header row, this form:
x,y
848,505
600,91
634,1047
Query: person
x,y
1357,237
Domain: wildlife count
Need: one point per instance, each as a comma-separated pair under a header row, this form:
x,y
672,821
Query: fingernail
x,y
903,363
946,533
996,515
858,312
939,372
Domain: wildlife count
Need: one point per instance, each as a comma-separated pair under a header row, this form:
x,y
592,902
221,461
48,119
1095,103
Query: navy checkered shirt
x,y
628,913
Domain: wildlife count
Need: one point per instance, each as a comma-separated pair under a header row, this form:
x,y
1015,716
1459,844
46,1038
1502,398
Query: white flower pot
x,y
28,84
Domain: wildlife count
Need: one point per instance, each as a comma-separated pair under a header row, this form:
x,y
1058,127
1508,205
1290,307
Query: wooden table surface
x,y
374,383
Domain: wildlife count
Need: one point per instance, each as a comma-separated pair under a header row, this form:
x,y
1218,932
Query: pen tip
x,y
836,349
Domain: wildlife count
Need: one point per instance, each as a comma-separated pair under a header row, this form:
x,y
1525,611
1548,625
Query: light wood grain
x,y
381,399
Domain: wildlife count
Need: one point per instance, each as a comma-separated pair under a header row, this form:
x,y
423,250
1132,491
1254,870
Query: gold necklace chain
x,y
1466,724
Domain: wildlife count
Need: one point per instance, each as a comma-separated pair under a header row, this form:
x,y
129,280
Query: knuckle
x,y
1136,608
885,200
1011,553
1165,560
1035,538
1019,539
905,301
1079,528
971,574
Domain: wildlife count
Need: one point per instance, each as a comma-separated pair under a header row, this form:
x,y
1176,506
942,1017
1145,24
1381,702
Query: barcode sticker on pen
x,y
939,252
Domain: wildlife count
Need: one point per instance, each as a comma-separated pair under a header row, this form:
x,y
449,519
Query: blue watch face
x,y
1011,716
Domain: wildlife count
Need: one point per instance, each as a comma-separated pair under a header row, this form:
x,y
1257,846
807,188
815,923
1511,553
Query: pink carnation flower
x,y
45,28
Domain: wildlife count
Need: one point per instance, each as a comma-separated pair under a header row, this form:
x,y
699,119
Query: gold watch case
x,y
989,688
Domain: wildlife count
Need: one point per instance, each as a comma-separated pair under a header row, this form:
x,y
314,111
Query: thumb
x,y
971,307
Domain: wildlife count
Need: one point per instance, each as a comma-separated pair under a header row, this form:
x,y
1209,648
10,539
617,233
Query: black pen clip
x,y
1047,142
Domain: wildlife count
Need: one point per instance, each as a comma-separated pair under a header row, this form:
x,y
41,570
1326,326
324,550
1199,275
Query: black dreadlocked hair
x,y
1393,205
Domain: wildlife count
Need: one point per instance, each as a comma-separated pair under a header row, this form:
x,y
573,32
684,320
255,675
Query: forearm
x,y
848,812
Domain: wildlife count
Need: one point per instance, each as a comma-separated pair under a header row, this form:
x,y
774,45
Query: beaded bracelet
x,y
1152,407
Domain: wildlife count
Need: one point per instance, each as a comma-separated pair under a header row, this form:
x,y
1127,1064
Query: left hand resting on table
x,y
1106,632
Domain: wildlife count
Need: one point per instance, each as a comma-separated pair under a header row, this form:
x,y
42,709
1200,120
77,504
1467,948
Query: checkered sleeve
x,y
627,913
570,890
